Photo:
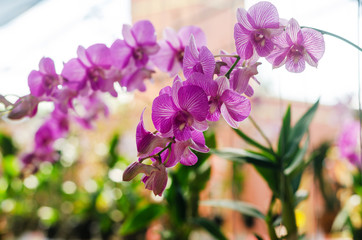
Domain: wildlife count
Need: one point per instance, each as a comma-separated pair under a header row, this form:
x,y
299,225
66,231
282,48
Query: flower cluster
x,y
76,91
214,88
180,114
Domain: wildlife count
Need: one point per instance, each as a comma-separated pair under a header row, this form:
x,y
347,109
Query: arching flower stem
x,y
336,36
232,67
225,55
158,155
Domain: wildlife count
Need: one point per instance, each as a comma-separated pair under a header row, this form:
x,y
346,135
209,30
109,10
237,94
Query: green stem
x,y
261,132
226,55
269,220
336,36
288,215
159,153
232,67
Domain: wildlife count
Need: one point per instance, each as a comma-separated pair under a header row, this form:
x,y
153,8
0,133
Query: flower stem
x,y
232,67
336,36
269,220
226,55
159,153
261,132
288,215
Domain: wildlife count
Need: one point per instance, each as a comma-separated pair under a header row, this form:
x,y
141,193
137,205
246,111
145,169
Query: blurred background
x,y
83,197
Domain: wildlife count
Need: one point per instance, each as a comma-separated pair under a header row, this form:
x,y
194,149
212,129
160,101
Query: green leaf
x,y
284,132
299,129
6,145
209,226
271,177
11,166
141,219
242,156
177,204
297,164
201,179
258,236
242,207
113,156
252,142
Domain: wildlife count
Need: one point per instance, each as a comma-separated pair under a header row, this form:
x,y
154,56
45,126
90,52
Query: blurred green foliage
x,y
58,203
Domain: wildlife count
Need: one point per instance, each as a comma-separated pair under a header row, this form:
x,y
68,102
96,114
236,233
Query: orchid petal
x,y
181,134
198,142
235,108
74,72
207,61
223,84
46,65
165,58
295,65
200,125
314,44
194,100
99,55
265,48
160,180
243,44
242,17
264,15
120,53
294,32
278,57
171,37
82,56
35,82
128,36
135,168
163,110
144,33
205,82
185,33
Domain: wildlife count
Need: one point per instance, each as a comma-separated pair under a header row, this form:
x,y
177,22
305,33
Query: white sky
x,y
55,28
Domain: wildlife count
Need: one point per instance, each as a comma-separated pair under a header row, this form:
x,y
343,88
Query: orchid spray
x,y
211,86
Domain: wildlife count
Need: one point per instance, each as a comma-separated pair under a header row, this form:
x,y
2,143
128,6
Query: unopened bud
x,y
25,107
135,168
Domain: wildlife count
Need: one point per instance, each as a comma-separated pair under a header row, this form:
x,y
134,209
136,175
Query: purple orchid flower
x,y
182,151
136,79
90,107
31,161
348,143
239,80
255,29
198,61
63,98
180,112
172,48
141,40
222,99
90,67
46,136
296,46
147,141
157,180
154,178
46,80
131,56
